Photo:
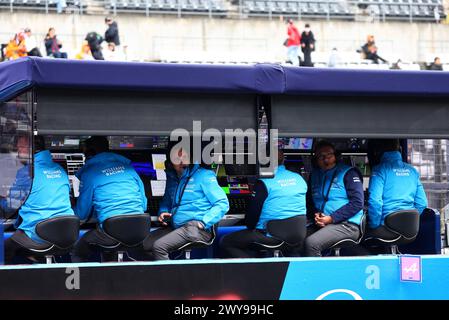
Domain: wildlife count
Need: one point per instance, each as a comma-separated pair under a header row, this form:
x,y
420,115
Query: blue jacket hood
x,y
201,198
102,157
49,196
391,156
394,185
109,186
43,157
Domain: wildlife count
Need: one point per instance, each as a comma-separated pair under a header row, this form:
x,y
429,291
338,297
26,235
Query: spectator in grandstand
x,y
53,45
280,197
31,44
85,53
334,200
60,5
199,203
394,185
293,42
365,49
373,56
94,40
16,47
49,198
109,187
111,34
436,65
3,51
369,51
111,53
436,14
334,59
307,45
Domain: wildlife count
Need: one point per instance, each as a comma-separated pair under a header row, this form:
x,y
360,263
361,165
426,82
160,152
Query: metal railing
x,y
402,10
431,158
75,6
174,7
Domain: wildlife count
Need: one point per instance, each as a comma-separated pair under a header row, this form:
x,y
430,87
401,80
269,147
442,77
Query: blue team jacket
x,y
170,190
109,186
19,191
49,196
338,196
394,185
286,197
202,200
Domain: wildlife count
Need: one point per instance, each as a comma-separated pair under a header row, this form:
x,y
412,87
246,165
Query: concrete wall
x,y
255,39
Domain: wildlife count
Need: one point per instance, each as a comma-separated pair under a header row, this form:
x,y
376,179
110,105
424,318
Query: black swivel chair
x,y
188,247
401,227
345,243
129,230
284,233
60,233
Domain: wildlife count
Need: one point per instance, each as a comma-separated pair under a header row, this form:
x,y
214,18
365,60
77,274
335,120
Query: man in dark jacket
x,y
335,201
307,45
436,65
111,34
94,40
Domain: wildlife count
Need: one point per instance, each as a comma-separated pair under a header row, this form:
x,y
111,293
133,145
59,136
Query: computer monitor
x,y
61,142
153,180
138,142
237,186
240,169
144,169
296,143
350,145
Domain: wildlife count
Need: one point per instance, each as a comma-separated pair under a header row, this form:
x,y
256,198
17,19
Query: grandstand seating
x,y
384,9
424,10
329,9
168,5
403,9
315,8
39,4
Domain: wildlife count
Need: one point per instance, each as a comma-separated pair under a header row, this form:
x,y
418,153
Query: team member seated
x,y
277,198
394,186
109,187
335,201
198,204
173,173
49,198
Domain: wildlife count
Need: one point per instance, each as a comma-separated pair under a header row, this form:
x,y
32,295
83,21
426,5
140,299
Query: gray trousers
x,y
326,237
162,241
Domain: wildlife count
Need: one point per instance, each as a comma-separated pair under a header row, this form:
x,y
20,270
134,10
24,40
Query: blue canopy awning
x,y
19,75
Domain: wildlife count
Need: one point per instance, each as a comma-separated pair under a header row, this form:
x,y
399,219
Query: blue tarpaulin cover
x,y
19,75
